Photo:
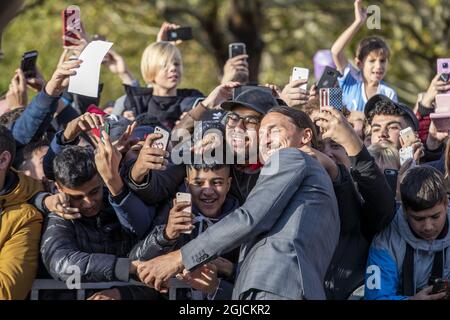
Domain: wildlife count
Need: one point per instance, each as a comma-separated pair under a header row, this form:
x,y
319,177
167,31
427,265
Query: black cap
x,y
371,104
256,98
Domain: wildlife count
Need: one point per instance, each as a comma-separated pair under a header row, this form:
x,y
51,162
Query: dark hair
x,y
74,166
8,118
422,188
388,108
299,118
7,142
369,44
29,149
205,166
146,119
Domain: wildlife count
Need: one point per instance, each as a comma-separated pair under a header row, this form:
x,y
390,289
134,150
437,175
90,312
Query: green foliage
x,y
416,30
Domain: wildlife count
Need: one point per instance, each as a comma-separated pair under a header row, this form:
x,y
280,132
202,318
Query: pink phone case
x,y
443,103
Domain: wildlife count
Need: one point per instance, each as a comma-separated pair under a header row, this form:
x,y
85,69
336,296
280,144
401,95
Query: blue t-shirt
x,y
353,92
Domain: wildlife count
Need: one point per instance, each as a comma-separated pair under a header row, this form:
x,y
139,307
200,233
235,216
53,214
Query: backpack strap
x,y
408,272
437,270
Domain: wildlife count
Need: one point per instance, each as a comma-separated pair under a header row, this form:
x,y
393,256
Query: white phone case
x,y
408,136
300,74
185,197
406,154
162,142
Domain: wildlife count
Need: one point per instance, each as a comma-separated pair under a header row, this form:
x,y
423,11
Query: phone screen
x,y
391,178
183,33
236,49
28,64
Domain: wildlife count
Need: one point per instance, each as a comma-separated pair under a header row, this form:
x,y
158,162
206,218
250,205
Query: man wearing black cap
x,y
387,118
242,123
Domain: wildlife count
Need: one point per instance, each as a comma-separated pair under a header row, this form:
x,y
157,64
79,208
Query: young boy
x,y
208,186
412,252
372,56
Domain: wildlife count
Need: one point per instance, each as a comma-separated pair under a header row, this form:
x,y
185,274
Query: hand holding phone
x,y
300,74
408,136
331,97
185,197
28,63
441,285
236,49
162,142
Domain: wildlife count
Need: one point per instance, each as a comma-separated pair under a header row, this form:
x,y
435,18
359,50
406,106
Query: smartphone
x,y
443,101
406,154
236,49
391,178
443,67
161,143
440,285
408,136
183,33
185,197
106,127
300,74
331,97
238,90
28,63
71,19
329,78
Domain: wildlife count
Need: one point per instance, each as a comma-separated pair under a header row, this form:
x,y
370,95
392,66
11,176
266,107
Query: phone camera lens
x,y
445,65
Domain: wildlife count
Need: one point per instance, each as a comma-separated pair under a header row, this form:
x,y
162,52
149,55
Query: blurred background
x,y
279,35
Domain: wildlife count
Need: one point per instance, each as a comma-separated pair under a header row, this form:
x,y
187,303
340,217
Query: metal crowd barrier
x,y
51,284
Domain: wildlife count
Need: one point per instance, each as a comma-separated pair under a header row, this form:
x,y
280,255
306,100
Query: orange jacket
x,y
20,232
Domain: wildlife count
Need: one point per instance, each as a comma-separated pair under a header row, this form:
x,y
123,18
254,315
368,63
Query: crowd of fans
x,y
300,200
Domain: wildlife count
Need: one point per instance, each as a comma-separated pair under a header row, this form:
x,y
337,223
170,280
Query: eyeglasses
x,y
250,122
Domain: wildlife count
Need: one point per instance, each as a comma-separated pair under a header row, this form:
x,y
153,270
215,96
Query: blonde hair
x,y
156,56
385,154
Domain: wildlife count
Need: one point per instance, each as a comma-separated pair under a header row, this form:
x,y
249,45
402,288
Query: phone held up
x,y
236,49
182,33
185,197
162,142
329,78
331,97
391,178
300,74
71,20
28,63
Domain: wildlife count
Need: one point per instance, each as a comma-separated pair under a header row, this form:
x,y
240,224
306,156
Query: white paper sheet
x,y
85,82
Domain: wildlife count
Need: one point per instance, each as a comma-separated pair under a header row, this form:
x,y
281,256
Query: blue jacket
x,y
386,255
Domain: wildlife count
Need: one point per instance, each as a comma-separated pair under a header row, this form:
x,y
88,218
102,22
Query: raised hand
x,y
60,78
236,69
16,97
84,123
149,159
107,161
360,12
293,95
179,221
60,205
